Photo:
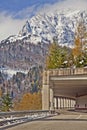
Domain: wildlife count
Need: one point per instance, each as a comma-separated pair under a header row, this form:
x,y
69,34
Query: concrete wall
x,y
81,102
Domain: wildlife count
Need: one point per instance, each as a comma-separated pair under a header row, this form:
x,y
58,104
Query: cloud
x,y
50,7
63,5
9,25
75,4
27,12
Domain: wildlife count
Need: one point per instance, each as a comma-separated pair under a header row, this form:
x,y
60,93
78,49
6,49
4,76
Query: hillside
x,y
21,83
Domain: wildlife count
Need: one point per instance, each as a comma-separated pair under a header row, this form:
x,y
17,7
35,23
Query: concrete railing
x,y
62,72
10,119
5,114
66,71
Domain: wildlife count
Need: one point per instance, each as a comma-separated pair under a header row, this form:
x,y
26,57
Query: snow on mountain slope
x,y
10,72
42,28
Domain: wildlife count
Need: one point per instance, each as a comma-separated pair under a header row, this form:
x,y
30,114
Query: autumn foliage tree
x,y
0,92
29,102
80,43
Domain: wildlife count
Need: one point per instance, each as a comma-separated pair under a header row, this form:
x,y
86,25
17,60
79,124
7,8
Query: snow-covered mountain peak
x,y
42,28
26,29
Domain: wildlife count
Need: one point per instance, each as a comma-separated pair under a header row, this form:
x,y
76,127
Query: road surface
x,y
59,122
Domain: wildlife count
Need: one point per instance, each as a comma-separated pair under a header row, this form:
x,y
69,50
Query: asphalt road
x,y
59,122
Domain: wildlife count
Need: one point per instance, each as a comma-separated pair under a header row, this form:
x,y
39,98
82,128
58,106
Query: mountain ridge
x,y
42,28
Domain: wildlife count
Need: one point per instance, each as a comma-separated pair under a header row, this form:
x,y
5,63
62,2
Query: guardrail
x,y
23,112
9,119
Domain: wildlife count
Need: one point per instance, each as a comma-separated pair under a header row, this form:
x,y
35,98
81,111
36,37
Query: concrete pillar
x,y
55,103
67,103
45,97
45,91
70,103
64,102
59,103
73,103
51,99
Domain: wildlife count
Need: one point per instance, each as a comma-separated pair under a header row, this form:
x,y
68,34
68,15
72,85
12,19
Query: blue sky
x,y
17,5
14,13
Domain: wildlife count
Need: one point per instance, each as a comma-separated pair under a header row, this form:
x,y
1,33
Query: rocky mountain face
x,y
21,83
30,46
22,55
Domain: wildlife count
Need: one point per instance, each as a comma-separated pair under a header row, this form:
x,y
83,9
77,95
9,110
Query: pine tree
x,y
56,56
6,102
